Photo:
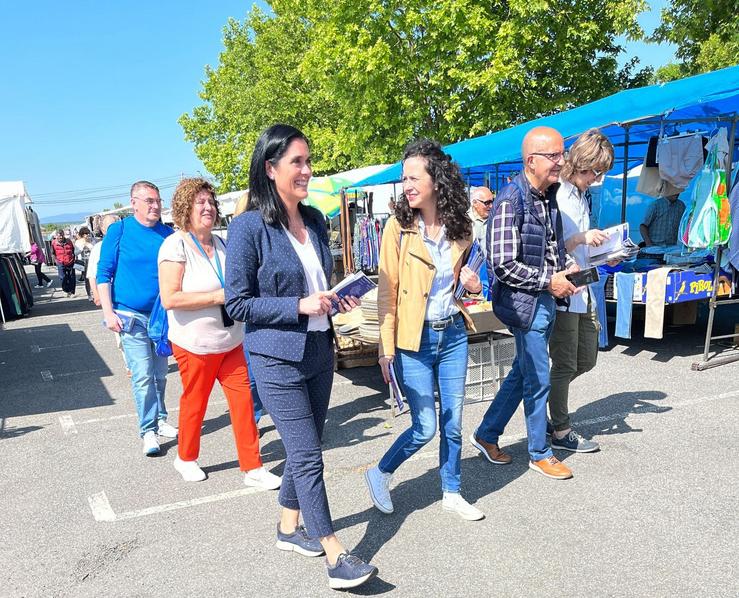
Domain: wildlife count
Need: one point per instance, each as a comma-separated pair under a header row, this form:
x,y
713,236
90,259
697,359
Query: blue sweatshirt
x,y
128,258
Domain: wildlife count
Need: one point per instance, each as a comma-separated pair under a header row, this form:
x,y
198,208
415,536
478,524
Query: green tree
x,y
362,77
117,205
706,33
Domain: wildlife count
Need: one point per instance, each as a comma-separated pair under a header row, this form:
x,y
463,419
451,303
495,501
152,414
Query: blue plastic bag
x,y
158,329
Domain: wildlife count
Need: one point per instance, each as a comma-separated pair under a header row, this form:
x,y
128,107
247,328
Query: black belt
x,y
439,325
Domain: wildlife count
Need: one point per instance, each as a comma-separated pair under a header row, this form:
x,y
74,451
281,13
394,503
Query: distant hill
x,y
69,218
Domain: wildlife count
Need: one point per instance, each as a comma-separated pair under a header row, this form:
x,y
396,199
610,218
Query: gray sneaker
x,y
575,443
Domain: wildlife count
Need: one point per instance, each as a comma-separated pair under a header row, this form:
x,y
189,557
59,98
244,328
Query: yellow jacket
x,y
406,275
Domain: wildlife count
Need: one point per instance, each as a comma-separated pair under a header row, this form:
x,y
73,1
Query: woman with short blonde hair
x,y
573,346
206,342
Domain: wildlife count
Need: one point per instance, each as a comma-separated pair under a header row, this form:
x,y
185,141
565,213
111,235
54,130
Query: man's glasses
x,y
150,200
488,203
552,156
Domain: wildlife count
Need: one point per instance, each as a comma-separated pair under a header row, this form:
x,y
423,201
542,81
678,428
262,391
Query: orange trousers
x,y
199,373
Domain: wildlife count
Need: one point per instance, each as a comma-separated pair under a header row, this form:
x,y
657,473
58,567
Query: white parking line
x,y
67,424
37,349
102,511
97,420
46,375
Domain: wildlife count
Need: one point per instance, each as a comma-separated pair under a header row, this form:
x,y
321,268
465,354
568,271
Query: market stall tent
x,y
14,235
629,118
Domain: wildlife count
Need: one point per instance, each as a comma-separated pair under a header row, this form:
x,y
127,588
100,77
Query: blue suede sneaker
x,y
349,572
299,541
575,443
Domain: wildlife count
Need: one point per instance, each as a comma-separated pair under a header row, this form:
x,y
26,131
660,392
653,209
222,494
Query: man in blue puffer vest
x,y
527,259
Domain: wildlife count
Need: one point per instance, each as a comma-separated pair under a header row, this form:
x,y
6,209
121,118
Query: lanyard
x,y
219,272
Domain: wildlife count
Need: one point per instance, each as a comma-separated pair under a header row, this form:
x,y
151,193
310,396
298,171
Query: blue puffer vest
x,y
513,306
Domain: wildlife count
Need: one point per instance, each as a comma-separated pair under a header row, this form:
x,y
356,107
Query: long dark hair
x,y
271,146
451,203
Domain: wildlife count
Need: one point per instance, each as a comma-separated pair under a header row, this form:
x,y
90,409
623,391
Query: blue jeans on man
x,y
441,361
148,376
528,381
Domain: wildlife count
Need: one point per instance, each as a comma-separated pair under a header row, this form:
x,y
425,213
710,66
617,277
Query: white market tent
x,y
14,235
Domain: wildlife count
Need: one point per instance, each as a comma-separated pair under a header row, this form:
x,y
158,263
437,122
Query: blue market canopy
x,y
629,118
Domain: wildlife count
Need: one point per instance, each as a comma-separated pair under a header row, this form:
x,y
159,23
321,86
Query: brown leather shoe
x,y
552,468
490,451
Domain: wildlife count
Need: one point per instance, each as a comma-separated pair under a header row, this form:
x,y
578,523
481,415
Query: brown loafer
x,y
490,451
552,468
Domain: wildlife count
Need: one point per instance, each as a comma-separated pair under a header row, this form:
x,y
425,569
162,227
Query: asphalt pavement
x,y
84,513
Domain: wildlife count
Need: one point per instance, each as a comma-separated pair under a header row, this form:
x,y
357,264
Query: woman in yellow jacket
x,y
422,326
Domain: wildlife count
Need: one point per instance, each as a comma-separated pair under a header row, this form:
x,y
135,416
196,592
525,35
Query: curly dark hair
x,y
184,198
451,197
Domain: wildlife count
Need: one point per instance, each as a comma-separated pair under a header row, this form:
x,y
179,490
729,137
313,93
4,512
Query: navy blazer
x,y
265,280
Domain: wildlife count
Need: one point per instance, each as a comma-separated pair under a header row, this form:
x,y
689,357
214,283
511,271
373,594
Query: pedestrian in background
x,y
64,255
38,259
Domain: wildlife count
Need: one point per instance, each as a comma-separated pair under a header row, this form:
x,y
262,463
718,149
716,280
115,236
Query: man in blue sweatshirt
x,y
128,285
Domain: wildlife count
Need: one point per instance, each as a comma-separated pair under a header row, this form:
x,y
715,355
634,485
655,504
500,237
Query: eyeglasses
x,y
487,203
596,173
149,200
552,156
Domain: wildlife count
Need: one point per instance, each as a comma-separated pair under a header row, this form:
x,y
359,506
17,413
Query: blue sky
x,y
92,92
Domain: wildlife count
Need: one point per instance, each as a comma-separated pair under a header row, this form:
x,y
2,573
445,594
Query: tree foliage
x,y
706,33
362,77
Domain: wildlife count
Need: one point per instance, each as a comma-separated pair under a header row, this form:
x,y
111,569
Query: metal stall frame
x,y
713,302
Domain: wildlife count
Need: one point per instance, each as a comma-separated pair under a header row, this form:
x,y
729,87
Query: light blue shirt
x,y
440,303
573,206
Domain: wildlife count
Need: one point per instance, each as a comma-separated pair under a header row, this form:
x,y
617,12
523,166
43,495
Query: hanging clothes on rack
x,y
16,296
366,247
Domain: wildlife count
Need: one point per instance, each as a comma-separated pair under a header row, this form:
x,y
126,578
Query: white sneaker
x,y
189,470
151,445
261,478
50,283
166,430
454,502
378,484
38,286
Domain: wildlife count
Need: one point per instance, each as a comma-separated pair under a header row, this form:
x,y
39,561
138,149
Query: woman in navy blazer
x,y
278,269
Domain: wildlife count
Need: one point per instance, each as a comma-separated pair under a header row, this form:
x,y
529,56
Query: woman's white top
x,y
314,275
199,331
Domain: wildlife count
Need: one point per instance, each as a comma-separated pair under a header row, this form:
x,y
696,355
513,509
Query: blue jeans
x,y
528,380
441,361
148,376
258,407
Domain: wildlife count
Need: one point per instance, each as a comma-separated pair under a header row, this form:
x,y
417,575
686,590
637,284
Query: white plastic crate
x,y
488,363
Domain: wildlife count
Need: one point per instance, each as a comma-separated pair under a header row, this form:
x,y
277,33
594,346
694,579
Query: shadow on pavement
x,y
49,369
608,415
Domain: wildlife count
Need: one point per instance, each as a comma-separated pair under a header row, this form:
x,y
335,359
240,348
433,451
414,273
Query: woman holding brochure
x,y
573,345
422,324
277,272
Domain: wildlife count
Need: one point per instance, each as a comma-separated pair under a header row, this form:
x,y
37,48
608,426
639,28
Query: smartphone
x,y
584,277
227,320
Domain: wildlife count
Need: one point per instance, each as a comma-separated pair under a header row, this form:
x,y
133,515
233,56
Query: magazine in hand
x,y
474,263
395,388
356,285
618,246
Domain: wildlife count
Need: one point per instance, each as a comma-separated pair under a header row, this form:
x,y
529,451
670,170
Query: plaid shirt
x,y
506,249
